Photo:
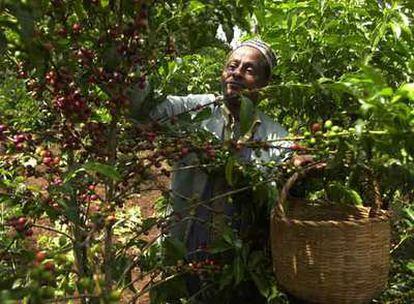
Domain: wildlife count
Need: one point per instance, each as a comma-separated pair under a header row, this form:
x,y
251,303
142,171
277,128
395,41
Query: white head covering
x,y
263,48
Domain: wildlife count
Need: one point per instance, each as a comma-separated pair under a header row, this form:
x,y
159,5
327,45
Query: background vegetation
x,y
71,70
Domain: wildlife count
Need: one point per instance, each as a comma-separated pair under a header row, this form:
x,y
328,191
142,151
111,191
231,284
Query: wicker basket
x,y
329,254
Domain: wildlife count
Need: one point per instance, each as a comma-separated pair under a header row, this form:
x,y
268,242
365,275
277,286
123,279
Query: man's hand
x,y
300,160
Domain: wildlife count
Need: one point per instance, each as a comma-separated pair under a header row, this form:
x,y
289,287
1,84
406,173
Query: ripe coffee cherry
x,y
29,232
19,146
20,224
21,221
47,161
19,138
76,28
45,153
110,219
184,151
316,127
49,266
151,136
297,147
23,74
40,256
62,32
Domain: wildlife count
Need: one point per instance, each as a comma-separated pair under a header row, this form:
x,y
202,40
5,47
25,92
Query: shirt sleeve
x,y
175,105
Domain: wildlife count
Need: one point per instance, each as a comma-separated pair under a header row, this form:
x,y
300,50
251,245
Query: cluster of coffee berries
x,y
48,159
151,136
204,267
21,225
89,195
19,141
209,151
72,105
43,276
40,259
52,204
84,56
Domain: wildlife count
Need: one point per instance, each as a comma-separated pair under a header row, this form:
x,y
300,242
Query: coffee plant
x,y
79,152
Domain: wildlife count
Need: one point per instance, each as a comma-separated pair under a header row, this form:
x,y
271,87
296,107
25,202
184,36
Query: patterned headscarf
x,y
263,48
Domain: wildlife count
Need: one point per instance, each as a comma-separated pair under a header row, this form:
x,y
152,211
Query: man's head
x,y
248,68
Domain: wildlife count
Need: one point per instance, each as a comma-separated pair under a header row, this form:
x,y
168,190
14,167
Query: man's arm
x,y
175,105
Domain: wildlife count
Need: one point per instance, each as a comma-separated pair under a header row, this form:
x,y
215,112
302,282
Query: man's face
x,y
243,71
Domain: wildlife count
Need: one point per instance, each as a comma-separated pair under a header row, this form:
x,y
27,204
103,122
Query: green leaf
x,y
94,167
261,283
410,266
104,3
148,223
396,29
3,43
174,250
239,270
220,246
340,194
202,115
101,115
406,90
103,169
229,170
196,6
409,214
246,114
80,11
226,277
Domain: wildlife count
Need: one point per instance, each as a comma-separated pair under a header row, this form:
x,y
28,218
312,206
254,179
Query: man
x,y
247,69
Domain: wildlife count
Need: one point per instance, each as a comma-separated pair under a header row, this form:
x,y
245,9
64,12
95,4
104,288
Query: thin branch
x,y
54,230
66,299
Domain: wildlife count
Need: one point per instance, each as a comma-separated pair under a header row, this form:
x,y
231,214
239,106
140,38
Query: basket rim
x,y
357,222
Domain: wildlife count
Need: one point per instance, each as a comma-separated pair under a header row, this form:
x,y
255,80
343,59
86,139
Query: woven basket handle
x,y
281,203
298,175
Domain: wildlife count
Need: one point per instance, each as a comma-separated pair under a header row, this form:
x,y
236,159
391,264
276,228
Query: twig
x,y
54,230
407,237
65,299
7,248
145,289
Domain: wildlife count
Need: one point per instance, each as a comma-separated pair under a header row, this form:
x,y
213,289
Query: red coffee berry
x,y
47,161
21,221
49,266
315,127
184,151
297,147
29,232
40,256
76,28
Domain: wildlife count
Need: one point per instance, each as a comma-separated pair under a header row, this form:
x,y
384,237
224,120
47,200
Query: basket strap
x,y
375,210
284,194
283,197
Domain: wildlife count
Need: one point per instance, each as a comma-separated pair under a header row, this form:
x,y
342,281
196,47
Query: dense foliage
x,y
76,144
